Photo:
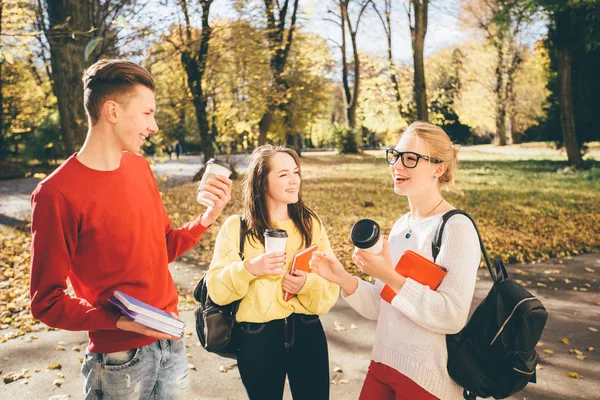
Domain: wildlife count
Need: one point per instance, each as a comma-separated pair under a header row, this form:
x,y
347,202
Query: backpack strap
x,y
498,275
242,237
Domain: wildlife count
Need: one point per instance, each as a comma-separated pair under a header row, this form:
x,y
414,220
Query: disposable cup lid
x,y
276,233
365,233
218,162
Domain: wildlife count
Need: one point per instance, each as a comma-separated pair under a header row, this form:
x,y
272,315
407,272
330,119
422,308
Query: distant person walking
x,y
178,149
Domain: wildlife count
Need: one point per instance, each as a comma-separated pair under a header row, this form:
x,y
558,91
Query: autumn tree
x,y
308,76
383,8
77,33
574,46
502,21
417,19
237,84
377,108
280,36
348,17
175,112
25,94
194,52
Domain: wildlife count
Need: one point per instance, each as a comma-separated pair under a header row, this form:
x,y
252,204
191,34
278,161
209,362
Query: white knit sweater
x,y
411,332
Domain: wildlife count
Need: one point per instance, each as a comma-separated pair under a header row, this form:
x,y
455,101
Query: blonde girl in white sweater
x,y
409,356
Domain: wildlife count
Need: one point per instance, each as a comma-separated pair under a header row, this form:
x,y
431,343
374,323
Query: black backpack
x,y
494,354
215,324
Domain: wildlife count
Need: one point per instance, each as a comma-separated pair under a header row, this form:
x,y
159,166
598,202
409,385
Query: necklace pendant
x,y
407,235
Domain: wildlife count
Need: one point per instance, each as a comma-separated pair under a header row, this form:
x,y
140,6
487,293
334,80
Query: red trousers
x,y
385,383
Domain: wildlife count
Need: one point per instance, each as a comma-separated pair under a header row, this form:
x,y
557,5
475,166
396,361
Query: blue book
x,y
145,309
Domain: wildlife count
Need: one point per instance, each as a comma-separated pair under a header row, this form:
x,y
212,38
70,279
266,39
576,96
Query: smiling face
x,y
283,180
418,180
135,119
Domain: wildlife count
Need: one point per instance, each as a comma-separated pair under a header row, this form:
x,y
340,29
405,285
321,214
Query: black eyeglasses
x,y
409,159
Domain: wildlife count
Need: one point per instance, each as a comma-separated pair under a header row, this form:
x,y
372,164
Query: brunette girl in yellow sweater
x,y
277,337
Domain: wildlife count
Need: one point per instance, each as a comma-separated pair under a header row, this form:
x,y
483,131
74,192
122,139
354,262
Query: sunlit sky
x,y
444,28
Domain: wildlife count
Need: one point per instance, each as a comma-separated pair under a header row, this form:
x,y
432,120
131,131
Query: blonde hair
x,y
440,147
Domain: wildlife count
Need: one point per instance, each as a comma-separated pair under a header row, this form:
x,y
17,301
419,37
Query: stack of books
x,y
147,315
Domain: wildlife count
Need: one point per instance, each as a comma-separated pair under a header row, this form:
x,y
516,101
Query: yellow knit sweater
x,y
262,296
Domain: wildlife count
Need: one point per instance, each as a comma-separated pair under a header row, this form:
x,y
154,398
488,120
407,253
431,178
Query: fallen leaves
x,y
54,366
592,329
338,326
565,340
574,375
15,376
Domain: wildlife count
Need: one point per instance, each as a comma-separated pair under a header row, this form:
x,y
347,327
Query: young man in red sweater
x,y
99,220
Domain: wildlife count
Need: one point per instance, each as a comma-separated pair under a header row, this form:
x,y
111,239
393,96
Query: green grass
x,y
528,207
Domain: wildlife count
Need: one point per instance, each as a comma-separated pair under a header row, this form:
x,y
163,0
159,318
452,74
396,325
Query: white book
x,y
147,310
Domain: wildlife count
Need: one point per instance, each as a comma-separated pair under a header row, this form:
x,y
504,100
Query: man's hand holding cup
x,y
214,190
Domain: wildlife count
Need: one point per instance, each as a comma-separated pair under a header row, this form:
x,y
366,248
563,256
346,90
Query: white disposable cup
x,y
376,248
366,235
274,244
275,240
214,168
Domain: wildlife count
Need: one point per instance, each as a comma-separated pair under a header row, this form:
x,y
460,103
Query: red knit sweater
x,y
104,230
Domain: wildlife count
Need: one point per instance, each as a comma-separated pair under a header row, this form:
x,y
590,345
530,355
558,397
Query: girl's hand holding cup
x,y
377,265
274,259
267,264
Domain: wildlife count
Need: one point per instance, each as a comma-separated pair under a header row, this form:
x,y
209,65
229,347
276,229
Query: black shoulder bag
x,y
215,324
494,354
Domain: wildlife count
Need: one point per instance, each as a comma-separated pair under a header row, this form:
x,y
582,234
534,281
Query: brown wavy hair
x,y
255,215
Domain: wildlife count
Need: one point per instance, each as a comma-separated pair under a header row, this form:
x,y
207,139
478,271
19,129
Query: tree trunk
x,y
195,84
501,111
417,33
355,92
279,46
265,121
567,118
393,77
194,63
386,22
512,133
345,81
69,22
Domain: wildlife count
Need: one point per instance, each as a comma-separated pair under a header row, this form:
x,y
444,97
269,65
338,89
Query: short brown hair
x,y
111,79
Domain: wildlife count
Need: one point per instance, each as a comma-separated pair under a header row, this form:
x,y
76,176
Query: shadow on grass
x,y
15,223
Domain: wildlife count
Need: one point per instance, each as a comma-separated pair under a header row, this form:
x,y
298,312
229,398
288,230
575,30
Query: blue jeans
x,y
156,371
295,346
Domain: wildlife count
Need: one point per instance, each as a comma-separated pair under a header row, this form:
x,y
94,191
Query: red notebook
x,y
415,266
300,263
